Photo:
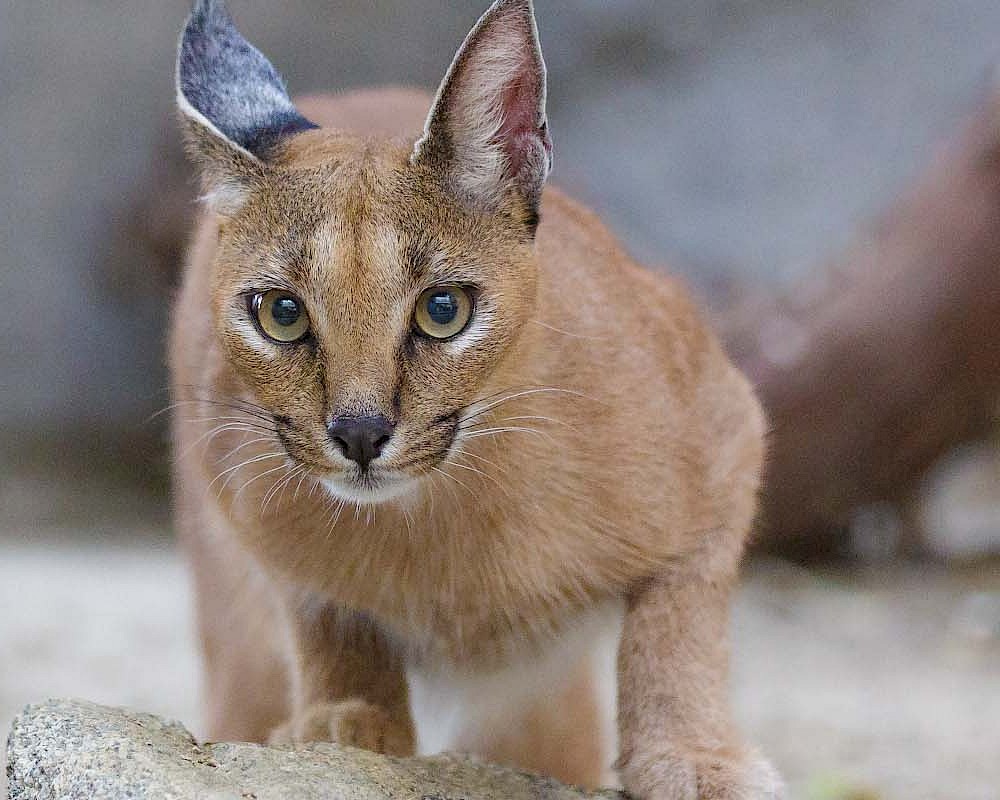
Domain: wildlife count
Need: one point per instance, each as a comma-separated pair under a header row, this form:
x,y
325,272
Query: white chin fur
x,y
388,489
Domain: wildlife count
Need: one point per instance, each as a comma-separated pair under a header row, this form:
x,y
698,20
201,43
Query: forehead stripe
x,y
419,255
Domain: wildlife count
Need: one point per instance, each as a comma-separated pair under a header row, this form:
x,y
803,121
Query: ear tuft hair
x,y
487,132
228,87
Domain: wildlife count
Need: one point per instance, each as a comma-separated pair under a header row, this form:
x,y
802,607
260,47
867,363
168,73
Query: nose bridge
x,y
364,320
362,371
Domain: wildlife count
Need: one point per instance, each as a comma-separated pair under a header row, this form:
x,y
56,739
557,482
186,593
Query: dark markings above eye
x,y
419,255
451,418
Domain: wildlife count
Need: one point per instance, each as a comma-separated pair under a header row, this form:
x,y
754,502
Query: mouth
x,y
379,482
369,487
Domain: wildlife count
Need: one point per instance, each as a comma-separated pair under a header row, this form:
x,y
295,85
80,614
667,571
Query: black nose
x,y
361,439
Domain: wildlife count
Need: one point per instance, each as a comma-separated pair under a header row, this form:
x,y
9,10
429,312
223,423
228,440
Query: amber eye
x,y
281,315
443,311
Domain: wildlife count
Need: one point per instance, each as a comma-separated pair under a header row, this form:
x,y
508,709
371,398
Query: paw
x,y
682,774
354,723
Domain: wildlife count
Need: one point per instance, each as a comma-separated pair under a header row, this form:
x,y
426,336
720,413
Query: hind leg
x,y
554,716
561,735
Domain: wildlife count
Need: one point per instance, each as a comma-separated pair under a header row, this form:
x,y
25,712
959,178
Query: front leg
x,y
348,684
677,738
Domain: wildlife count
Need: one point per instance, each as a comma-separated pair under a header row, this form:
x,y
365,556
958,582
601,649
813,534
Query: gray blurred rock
x,y
74,750
959,509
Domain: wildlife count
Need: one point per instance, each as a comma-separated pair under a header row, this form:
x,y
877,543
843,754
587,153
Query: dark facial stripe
x,y
397,400
418,255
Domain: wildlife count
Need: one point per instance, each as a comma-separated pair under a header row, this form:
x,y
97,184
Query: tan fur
x,y
627,470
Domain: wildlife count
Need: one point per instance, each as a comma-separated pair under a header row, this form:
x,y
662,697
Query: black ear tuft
x,y
225,81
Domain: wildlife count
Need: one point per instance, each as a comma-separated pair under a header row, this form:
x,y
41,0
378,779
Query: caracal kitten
x,y
452,470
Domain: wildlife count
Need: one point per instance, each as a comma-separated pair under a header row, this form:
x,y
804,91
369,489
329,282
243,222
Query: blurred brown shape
x,y
158,219
884,362
870,370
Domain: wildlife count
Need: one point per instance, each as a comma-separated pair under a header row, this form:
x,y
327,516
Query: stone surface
x,y
73,750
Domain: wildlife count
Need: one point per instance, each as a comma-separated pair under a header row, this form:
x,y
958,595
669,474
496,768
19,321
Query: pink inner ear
x,y
520,132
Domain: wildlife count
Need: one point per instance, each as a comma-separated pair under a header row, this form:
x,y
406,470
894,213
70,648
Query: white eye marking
x,y
259,343
476,331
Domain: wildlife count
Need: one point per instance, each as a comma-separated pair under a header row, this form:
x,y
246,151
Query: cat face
x,y
365,292
350,287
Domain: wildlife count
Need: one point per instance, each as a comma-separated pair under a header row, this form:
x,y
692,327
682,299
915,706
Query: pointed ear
x,y
487,132
233,103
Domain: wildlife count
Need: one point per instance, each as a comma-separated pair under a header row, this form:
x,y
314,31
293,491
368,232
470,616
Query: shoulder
x,y
577,250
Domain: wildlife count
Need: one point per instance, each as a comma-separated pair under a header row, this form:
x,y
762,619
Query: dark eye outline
x,y
471,292
255,302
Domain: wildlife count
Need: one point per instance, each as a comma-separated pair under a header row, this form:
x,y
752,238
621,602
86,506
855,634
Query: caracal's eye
x,y
443,311
281,316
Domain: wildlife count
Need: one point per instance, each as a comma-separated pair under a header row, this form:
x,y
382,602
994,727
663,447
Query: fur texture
x,y
583,446
226,84
487,130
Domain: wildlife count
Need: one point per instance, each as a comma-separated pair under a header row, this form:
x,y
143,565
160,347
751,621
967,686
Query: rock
x,y
959,510
74,750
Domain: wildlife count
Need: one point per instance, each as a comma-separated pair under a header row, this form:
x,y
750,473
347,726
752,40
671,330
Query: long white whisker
x,y
279,485
567,333
539,418
456,480
242,420
340,510
526,393
245,463
458,500
211,434
235,403
270,490
302,477
246,444
479,472
510,429
484,460
257,477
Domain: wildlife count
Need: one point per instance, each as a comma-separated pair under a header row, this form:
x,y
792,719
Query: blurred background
x,y
757,148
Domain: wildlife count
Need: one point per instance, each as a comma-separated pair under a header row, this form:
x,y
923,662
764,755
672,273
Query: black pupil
x,y
442,307
285,311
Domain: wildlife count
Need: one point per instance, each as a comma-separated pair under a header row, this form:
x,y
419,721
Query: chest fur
x,y
470,588
574,678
